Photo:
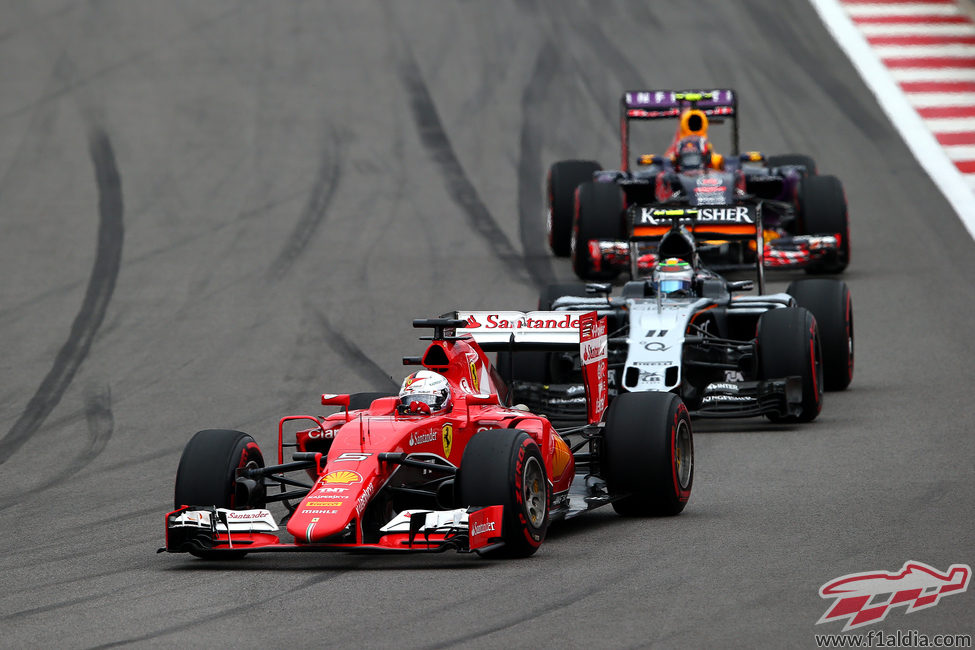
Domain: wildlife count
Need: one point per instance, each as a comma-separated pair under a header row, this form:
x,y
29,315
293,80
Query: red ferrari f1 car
x,y
446,464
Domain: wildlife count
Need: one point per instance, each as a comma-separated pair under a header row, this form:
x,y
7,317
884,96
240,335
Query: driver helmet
x,y
673,277
693,152
425,391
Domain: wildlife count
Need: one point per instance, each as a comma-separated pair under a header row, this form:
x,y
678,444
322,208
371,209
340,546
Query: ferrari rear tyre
x,y
829,301
794,159
788,345
823,211
206,475
648,454
598,215
505,467
563,179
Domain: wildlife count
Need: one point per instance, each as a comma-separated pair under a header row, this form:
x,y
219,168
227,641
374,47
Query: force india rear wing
x,y
717,104
556,330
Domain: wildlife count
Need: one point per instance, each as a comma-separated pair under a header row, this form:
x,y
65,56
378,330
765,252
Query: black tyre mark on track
x,y
314,213
462,191
530,207
208,619
355,356
101,285
532,613
101,424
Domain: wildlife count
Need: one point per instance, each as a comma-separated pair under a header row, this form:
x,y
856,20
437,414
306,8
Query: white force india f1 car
x,y
689,331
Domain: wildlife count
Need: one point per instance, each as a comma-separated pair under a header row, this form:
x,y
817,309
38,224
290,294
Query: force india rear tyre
x,y
505,467
648,453
563,179
788,345
829,301
598,215
823,211
206,475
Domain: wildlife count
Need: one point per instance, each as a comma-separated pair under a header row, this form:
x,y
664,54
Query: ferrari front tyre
x,y
207,474
829,301
598,215
788,345
563,179
505,467
207,470
648,454
823,211
794,159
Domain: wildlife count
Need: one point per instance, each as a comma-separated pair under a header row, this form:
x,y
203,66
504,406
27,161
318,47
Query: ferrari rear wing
x,y
578,331
535,330
717,104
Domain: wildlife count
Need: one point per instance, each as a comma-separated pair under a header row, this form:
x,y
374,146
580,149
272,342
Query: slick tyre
x,y
598,215
505,467
563,179
206,475
829,301
794,159
788,345
823,211
648,454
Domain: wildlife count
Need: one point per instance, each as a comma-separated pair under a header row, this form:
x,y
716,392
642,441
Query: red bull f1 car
x,y
805,221
467,471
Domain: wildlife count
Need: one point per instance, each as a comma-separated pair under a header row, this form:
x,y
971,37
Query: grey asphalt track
x,y
212,212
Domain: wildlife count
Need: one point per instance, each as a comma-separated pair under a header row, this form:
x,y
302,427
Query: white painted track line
x,y
918,134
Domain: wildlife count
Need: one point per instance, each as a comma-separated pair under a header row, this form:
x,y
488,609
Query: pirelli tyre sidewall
x,y
598,214
207,471
648,454
505,467
560,185
789,345
830,302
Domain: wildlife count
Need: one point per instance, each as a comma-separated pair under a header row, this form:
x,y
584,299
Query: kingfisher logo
x,y
866,598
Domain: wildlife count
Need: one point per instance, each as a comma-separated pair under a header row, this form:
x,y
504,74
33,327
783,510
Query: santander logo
x,y
472,322
486,527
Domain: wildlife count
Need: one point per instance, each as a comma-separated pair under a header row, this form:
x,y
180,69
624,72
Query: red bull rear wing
x,y
716,104
661,104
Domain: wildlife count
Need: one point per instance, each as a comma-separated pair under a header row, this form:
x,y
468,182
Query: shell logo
x,y
342,477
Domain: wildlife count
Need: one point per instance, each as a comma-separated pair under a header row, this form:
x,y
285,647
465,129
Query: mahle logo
x,y
866,598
